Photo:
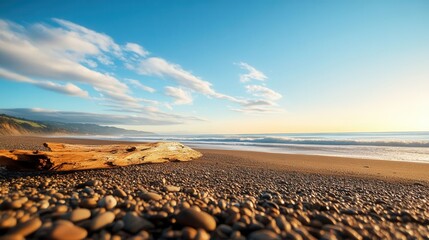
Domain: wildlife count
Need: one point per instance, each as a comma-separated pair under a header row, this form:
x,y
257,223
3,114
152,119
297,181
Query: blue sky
x,y
218,66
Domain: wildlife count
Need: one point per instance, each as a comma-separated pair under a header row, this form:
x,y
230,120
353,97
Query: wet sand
x,y
380,169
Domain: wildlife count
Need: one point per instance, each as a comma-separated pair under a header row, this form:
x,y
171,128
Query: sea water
x,y
399,146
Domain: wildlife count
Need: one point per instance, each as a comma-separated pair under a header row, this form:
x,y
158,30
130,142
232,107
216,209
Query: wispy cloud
x,y
134,47
179,95
40,52
264,92
139,85
264,99
68,88
159,67
252,73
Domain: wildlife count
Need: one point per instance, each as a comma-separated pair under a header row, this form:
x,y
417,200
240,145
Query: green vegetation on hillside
x,y
10,125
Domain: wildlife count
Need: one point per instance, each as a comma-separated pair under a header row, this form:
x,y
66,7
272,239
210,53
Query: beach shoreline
x,y
318,164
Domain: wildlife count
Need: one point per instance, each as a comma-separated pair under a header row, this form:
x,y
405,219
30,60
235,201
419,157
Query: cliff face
x,y
16,126
11,129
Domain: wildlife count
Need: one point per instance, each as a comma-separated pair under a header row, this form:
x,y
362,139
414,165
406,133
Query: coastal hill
x,y
10,125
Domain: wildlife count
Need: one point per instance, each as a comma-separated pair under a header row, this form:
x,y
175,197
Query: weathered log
x,y
68,157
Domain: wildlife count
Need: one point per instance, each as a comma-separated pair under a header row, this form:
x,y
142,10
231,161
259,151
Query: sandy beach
x,y
223,195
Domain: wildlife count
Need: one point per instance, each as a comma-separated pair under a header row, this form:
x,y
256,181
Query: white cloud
x,y
68,88
134,47
161,68
46,56
180,96
102,41
253,73
42,55
139,85
264,92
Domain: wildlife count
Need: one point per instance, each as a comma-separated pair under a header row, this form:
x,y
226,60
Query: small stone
x,y
349,211
78,214
27,228
171,188
8,222
90,183
351,233
61,209
325,219
118,226
108,202
67,232
188,233
101,221
196,219
147,196
266,196
88,203
202,235
223,231
12,237
134,223
264,235
119,193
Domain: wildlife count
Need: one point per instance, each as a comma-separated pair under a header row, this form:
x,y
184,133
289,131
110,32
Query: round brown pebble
x,y
197,219
12,237
188,233
67,232
27,228
79,214
151,196
108,202
264,235
8,222
101,221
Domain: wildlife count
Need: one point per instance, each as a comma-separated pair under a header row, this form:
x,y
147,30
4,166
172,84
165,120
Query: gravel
x,y
213,197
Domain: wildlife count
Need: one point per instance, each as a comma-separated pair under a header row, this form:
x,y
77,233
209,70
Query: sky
x,y
218,66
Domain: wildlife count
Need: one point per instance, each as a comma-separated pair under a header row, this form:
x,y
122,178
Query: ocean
x,y
398,146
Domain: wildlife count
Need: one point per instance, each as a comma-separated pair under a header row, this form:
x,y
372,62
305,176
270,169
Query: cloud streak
x,y
252,73
179,95
264,92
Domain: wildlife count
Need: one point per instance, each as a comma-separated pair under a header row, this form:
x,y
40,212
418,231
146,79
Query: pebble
x,y
119,193
67,232
325,219
79,214
26,228
8,222
101,221
197,219
189,233
134,223
171,188
147,196
264,235
108,202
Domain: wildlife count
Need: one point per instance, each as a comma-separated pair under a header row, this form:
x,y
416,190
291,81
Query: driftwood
x,y
69,157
